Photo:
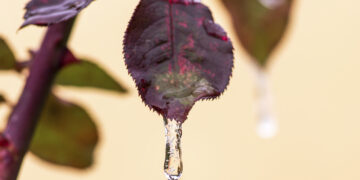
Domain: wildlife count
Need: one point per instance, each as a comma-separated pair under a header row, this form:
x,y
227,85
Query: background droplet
x,y
267,124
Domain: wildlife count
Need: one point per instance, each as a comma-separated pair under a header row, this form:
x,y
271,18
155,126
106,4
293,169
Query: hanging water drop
x,y
267,124
173,164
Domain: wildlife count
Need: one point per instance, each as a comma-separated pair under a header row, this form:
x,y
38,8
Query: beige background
x,y
314,78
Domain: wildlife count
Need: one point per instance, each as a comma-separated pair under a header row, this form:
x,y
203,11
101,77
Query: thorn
x,y
4,142
69,58
7,151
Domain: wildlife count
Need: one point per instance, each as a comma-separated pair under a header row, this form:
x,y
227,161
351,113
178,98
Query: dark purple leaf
x,y
260,24
47,12
177,55
66,134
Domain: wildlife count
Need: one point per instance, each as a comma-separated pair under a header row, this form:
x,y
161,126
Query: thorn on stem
x,y
7,153
68,58
3,142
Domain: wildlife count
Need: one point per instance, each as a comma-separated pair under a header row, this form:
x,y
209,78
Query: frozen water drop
x,y
267,127
267,124
173,164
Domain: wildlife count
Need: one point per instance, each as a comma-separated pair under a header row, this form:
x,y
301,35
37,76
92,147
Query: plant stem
x,y
24,117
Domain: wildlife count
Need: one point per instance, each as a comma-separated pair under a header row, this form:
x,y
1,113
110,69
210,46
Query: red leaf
x,y
47,12
177,55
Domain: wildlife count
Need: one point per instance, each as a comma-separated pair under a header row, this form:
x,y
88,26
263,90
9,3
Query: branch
x,y
23,119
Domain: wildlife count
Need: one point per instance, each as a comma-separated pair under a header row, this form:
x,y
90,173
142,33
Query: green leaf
x,y
88,74
7,58
65,135
260,25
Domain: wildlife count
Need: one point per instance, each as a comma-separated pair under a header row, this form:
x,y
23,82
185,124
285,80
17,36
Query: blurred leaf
x,y
2,99
87,74
65,135
47,12
177,55
260,24
7,58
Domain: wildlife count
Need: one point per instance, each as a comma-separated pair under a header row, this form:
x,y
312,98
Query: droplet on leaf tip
x,y
173,163
267,125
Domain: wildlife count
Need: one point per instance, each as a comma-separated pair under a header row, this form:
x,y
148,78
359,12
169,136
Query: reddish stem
x,y
23,119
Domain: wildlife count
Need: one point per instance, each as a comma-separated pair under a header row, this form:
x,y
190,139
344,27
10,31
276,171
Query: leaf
x,y
2,99
177,55
47,12
260,25
66,134
7,58
87,74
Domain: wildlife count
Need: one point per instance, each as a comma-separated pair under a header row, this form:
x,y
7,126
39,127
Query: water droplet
x,y
173,165
267,124
267,127
215,30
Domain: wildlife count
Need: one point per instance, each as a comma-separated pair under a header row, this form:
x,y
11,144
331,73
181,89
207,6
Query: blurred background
x,y
314,77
